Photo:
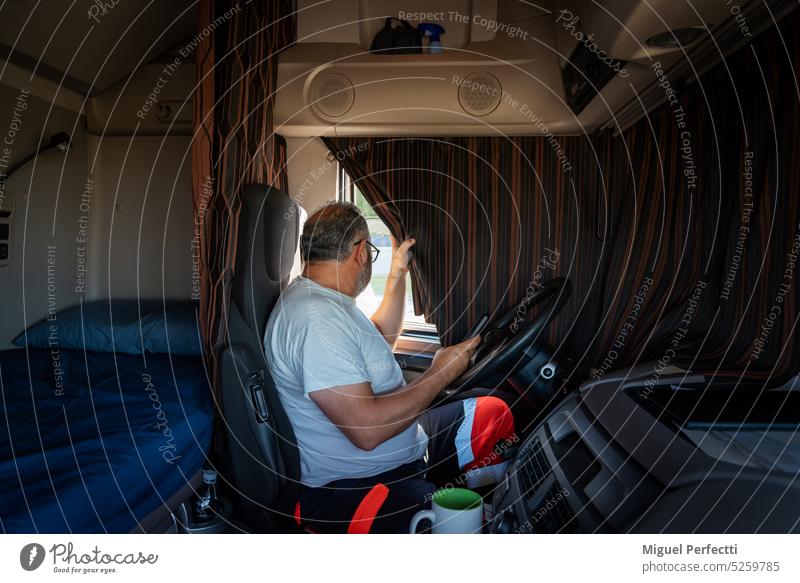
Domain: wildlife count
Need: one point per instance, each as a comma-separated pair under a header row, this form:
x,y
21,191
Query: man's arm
x,y
368,419
388,318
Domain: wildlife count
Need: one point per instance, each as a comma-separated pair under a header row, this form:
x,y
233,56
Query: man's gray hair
x,y
330,231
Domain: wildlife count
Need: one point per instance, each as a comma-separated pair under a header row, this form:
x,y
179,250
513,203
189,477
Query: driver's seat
x,y
261,452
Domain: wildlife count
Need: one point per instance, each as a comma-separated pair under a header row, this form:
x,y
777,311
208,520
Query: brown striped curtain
x,y
233,144
648,225
493,217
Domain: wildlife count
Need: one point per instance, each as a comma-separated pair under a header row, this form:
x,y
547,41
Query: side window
x,y
371,298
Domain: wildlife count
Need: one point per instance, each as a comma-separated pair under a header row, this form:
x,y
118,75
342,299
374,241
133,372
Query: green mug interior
x,y
457,499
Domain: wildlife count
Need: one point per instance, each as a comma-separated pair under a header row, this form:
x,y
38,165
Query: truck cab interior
x,y
607,192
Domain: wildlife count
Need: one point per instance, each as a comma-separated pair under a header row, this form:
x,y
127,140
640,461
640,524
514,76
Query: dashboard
x,y
619,456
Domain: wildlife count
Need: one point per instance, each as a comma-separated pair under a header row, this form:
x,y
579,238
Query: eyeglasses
x,y
374,251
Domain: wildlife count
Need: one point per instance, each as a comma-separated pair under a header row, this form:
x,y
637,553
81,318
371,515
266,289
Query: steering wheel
x,y
504,346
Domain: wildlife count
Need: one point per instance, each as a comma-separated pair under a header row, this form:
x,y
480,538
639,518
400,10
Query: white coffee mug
x,y
453,511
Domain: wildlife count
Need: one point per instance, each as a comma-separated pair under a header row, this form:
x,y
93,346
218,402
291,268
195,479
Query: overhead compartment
x,y
507,84
508,67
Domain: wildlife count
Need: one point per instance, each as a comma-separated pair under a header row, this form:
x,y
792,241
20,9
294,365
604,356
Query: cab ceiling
x,y
88,46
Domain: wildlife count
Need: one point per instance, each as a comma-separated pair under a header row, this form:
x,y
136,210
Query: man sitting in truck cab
x,y
371,452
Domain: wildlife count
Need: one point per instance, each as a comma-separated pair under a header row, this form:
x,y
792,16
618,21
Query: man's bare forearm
x,y
389,316
392,413
368,419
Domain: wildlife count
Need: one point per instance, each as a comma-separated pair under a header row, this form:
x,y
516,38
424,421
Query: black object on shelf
x,y
397,40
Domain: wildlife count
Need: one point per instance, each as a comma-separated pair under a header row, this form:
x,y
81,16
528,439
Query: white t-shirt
x,y
316,339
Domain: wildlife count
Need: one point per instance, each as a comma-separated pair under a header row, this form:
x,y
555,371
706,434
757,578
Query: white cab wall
x,y
312,178
129,198
142,225
112,218
46,194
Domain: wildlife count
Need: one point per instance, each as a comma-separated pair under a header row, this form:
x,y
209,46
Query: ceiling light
x,y
60,142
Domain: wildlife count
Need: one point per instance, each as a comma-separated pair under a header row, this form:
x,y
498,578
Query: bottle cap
x,y
210,476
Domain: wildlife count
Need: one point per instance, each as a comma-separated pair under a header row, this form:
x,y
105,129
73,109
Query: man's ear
x,y
359,253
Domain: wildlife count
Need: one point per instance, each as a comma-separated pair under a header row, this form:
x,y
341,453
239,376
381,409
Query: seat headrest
x,y
265,249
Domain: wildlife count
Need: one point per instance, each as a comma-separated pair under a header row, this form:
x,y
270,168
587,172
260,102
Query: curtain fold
x,y
680,236
233,143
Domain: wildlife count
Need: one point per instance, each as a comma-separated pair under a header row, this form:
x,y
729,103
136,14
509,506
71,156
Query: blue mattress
x,y
97,454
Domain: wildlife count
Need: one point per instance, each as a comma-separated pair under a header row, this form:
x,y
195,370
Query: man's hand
x,y
401,256
388,318
451,362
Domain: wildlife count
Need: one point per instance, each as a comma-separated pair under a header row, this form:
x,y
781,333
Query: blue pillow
x,y
172,327
138,326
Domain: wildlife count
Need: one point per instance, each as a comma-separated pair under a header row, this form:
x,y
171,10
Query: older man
x,y
370,450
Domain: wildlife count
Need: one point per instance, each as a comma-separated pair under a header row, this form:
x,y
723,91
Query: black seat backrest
x,y
261,452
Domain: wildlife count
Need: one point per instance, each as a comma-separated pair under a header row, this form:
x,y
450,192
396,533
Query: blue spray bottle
x,y
433,32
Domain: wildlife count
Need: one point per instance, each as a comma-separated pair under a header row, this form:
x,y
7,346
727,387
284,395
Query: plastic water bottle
x,y
207,506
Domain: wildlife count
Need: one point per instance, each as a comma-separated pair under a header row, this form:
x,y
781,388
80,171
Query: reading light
x,y
60,142
675,39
